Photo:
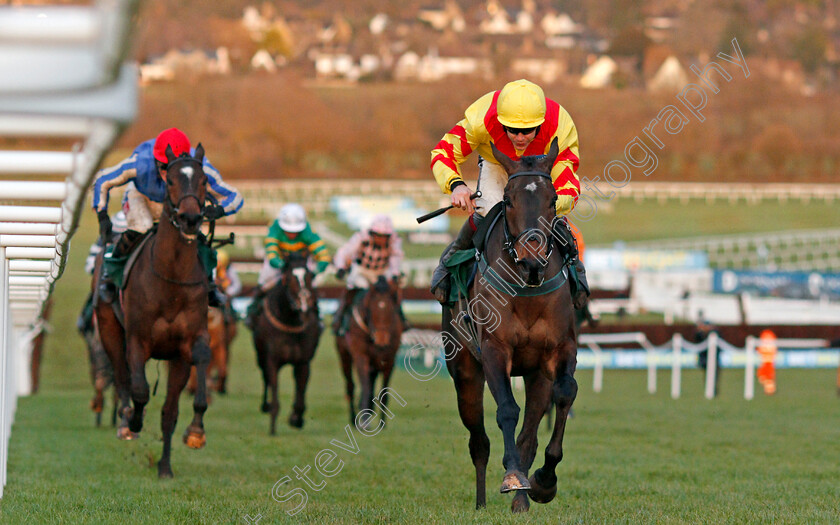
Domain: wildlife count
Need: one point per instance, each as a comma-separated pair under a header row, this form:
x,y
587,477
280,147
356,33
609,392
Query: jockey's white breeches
x,y
140,212
361,277
492,179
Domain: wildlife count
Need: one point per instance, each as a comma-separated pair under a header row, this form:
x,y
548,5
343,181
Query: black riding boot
x,y
345,303
441,279
405,324
215,297
568,245
127,241
582,296
254,308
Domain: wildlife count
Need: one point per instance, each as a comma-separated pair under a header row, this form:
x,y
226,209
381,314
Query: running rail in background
x,y
783,250
62,76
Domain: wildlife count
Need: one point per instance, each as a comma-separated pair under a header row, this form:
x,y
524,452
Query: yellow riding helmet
x,y
222,259
521,104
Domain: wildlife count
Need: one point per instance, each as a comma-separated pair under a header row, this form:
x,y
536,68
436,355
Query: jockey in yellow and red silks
x,y
519,121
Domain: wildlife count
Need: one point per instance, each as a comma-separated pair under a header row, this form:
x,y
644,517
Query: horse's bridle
x,y
510,243
175,207
305,295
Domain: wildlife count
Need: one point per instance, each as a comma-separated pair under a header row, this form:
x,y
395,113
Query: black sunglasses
x,y
517,131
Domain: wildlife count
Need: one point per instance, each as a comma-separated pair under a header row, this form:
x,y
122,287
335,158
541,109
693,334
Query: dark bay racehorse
x,y
371,343
165,309
523,297
287,331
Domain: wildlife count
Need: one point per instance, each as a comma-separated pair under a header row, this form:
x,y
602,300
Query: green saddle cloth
x,y
345,320
460,267
116,266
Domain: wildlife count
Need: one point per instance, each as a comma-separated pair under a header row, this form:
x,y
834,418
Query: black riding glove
x,y
214,212
105,227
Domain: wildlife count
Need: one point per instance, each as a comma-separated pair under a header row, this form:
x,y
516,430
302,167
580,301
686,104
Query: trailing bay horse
x,y
222,331
286,331
165,310
525,326
101,371
371,343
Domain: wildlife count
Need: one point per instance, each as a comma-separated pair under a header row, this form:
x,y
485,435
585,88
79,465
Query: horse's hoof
x,y
125,434
520,504
265,408
514,480
542,492
165,472
195,440
296,421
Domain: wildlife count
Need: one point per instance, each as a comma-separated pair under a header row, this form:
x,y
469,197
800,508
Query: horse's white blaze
x,y
381,304
188,171
532,186
303,295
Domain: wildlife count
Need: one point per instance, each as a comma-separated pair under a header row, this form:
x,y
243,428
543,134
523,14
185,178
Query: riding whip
x,y
441,211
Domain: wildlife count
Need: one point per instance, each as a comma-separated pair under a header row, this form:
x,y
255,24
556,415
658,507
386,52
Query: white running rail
x,y
62,76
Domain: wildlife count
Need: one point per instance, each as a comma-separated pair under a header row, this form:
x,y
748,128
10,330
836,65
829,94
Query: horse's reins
x,y
496,280
277,323
280,325
510,243
357,316
176,206
167,279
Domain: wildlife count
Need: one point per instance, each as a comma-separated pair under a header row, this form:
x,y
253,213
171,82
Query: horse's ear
x,y
553,151
507,163
199,152
170,155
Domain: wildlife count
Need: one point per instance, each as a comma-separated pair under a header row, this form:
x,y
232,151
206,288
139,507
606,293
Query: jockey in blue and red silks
x,y
145,173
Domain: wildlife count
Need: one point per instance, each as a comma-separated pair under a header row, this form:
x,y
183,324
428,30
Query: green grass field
x,y
630,457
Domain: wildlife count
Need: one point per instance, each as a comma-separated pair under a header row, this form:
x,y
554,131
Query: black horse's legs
x,y
537,394
273,376
347,368
179,373
564,391
194,434
139,385
496,363
114,343
263,363
374,373
301,380
469,386
386,380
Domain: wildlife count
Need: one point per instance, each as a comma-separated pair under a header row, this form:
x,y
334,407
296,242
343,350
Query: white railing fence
x,y
676,354
62,78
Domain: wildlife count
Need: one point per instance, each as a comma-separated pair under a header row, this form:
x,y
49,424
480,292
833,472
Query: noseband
x,y
510,242
175,207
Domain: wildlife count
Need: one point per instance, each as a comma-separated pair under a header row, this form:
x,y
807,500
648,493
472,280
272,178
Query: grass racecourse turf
x,y
630,457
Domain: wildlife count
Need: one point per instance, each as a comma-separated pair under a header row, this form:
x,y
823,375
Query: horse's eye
x,y
170,182
506,200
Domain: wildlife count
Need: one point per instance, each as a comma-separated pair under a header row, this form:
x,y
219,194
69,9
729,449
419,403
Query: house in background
x,y
669,78
177,62
599,74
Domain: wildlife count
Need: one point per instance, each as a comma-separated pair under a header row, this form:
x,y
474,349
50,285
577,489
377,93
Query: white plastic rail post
x,y
749,368
4,340
711,365
598,374
650,357
676,366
